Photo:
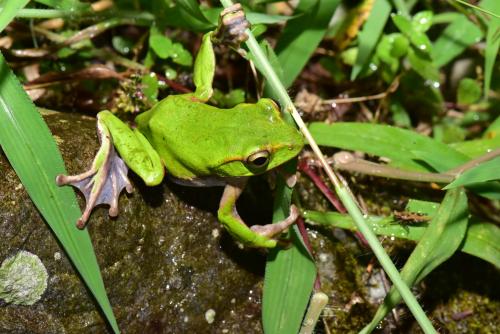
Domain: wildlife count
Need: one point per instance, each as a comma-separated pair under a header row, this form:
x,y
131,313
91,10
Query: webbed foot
x,y
257,235
232,26
104,181
275,229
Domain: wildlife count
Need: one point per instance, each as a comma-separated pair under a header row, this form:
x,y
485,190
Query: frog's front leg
x,y
107,177
257,235
231,31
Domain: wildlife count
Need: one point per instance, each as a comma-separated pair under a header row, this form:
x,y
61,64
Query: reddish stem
x,y
329,194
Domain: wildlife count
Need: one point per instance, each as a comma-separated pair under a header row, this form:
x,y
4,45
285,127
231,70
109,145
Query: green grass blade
x,y
370,34
32,152
487,171
72,5
457,36
477,147
8,10
302,36
397,144
441,239
492,43
289,278
483,241
402,7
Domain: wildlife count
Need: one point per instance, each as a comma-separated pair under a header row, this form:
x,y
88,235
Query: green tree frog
x,y
198,145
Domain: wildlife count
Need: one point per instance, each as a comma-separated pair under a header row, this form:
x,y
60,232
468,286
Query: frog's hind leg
x,y
103,182
257,235
107,177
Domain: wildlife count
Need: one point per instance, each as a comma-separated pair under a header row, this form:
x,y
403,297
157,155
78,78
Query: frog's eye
x,y
259,159
275,105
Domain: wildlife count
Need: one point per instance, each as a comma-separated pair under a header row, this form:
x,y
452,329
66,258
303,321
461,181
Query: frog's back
x,y
193,138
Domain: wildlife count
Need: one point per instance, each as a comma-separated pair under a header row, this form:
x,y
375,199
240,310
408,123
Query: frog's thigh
x,y
134,149
233,223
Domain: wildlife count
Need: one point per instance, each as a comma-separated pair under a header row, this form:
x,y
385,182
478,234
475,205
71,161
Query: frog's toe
x,y
232,26
271,230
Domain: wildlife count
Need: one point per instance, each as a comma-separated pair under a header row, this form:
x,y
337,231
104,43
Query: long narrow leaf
x,y
32,152
487,171
391,142
8,10
289,279
492,42
370,34
454,40
302,35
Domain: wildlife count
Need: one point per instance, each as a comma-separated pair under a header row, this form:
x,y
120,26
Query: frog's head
x,y
264,141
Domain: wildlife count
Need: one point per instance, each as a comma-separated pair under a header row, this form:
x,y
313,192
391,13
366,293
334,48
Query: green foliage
x,y
165,48
370,34
487,171
440,240
481,240
454,40
469,91
32,152
385,51
405,149
302,35
492,42
287,270
9,11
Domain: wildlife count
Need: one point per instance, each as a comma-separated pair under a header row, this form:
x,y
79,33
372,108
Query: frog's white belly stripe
x,y
207,181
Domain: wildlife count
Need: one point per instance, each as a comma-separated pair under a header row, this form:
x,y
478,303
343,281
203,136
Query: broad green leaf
x,y
477,147
32,152
405,149
149,84
483,241
165,48
418,38
261,18
422,21
192,7
493,130
422,64
458,36
440,240
302,35
492,42
487,171
289,279
387,141
469,91
8,10
180,55
370,34
159,43
402,7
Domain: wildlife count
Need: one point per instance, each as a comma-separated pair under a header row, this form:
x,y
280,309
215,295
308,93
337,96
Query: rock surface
x,y
165,260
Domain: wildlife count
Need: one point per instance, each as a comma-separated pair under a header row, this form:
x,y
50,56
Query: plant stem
x,y
341,189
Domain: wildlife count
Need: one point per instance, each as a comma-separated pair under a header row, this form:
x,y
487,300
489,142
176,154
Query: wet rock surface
x,y
165,260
